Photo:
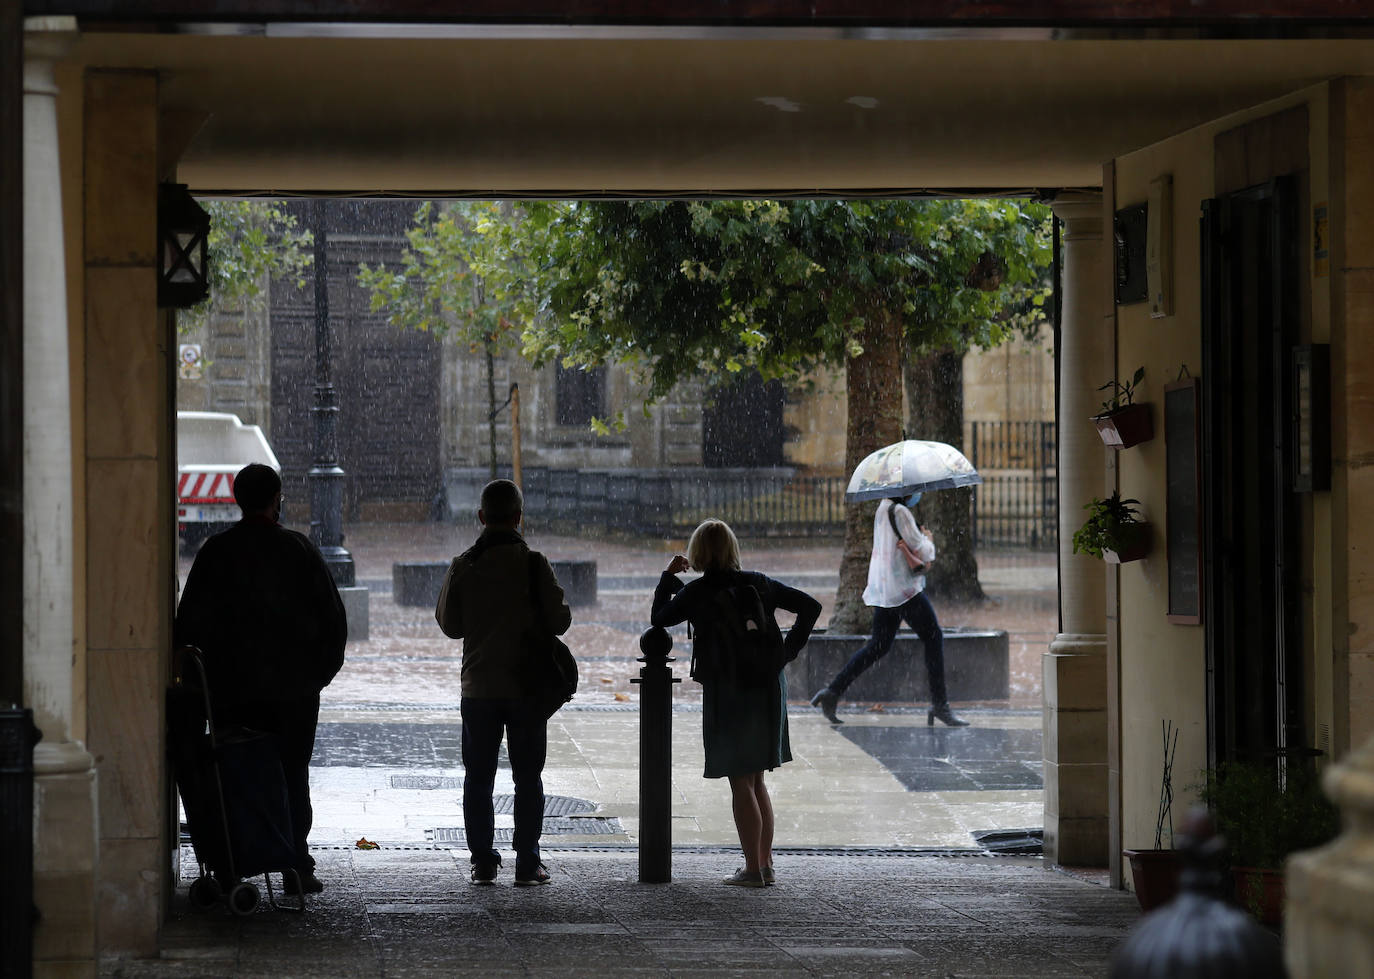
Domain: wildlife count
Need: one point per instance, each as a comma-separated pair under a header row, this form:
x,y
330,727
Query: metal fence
x,y
1016,505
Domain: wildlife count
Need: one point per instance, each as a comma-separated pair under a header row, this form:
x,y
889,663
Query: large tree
x,y
679,290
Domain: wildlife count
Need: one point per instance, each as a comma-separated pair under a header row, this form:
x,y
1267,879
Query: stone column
x,y
65,848
1075,668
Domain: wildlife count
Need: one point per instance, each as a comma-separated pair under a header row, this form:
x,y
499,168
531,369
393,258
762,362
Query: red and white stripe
x,y
196,487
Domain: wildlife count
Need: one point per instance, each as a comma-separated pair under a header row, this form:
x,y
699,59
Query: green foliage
x,y
464,274
1105,529
250,241
1262,822
1123,394
679,289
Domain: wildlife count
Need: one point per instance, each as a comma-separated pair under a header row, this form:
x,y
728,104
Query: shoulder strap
x,y
892,519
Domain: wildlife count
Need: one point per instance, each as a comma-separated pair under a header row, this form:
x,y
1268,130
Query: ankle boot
x,y
826,699
946,716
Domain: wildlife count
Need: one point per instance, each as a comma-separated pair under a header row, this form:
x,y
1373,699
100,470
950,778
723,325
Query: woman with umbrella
x,y
902,551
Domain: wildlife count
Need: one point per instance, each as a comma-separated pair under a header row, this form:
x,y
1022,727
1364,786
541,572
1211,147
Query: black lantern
x,y
183,230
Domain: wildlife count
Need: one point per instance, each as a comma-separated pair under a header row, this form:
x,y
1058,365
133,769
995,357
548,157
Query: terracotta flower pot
x,y
1155,873
1260,891
1134,546
1126,426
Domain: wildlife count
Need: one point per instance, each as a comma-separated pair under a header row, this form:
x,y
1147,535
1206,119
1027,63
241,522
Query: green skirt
x,y
744,729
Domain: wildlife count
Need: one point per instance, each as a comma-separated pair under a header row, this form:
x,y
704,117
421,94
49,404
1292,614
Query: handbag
x,y
914,564
552,668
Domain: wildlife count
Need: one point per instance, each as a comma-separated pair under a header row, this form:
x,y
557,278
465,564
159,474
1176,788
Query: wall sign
x,y
1183,504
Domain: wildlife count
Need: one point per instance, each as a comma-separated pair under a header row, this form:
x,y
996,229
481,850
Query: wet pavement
x,y
881,822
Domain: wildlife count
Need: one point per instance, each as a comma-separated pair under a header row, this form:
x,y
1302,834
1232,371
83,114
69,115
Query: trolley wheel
x,y
205,892
243,899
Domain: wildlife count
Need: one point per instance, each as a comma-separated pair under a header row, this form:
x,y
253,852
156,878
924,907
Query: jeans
x,y
920,616
526,733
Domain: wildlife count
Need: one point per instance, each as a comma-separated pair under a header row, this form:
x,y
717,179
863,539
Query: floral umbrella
x,y
910,467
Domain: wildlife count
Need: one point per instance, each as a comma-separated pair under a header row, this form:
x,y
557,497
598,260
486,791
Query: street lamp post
x,y
326,477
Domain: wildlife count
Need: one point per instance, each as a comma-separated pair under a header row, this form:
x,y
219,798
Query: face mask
x,y
913,499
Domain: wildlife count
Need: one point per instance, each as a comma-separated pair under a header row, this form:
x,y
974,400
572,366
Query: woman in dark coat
x,y
744,727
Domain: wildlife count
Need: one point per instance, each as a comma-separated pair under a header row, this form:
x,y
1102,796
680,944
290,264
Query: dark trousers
x,y
292,724
527,741
918,614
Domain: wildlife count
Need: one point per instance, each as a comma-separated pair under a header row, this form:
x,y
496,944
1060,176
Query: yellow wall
x,y
1162,665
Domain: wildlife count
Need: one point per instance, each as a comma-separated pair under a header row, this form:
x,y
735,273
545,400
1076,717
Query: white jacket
x,y
890,581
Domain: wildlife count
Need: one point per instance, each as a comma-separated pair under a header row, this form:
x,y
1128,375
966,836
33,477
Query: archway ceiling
x,y
735,115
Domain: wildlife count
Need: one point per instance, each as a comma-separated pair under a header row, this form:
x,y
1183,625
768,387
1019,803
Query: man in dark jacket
x,y
262,606
493,593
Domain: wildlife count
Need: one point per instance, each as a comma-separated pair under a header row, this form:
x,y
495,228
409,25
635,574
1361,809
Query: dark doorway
x,y
742,423
1252,609
387,378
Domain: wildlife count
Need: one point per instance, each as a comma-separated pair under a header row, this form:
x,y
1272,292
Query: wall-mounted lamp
x,y
183,231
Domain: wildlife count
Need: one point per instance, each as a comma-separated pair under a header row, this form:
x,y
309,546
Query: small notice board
x,y
1184,509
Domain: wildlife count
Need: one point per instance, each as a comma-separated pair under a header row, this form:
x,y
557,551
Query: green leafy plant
x,y
1122,393
1264,820
1106,526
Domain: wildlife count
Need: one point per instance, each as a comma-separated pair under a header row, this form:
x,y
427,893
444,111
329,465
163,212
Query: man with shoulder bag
x,y
902,552
503,600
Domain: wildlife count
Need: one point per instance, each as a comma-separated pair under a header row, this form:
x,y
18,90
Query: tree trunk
x,y
491,406
873,395
935,393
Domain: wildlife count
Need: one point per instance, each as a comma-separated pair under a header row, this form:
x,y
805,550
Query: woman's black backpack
x,y
737,641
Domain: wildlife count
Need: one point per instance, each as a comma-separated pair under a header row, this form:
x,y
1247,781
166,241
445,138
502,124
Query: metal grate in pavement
x,y
553,826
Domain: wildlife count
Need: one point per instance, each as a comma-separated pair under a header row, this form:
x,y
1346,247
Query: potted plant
x,y
1264,818
1112,531
1155,871
1122,423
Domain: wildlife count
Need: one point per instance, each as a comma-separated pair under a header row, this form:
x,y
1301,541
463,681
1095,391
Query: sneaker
x,y
292,884
484,873
768,879
533,878
746,878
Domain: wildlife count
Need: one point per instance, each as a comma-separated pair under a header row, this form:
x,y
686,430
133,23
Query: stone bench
x,y
977,667
418,582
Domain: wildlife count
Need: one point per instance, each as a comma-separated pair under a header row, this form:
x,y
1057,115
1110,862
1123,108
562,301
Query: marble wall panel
x,y
126,600
1075,737
125,362
126,723
1075,682
129,905
121,168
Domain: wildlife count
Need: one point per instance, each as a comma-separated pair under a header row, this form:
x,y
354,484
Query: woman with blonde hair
x,y
744,719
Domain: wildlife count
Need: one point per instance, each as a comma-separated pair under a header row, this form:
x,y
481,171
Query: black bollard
x,y
17,914
655,757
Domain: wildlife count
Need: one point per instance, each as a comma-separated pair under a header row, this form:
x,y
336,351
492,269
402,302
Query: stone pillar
x,y
1075,668
130,528
65,847
1328,915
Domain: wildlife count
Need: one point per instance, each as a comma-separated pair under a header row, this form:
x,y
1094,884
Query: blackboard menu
x,y
1184,479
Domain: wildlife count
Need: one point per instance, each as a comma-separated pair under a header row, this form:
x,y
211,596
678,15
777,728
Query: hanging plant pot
x,y
1133,543
1155,874
1126,426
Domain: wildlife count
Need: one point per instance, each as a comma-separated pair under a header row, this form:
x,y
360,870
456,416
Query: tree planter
x,y
1260,891
1135,544
1126,426
1155,873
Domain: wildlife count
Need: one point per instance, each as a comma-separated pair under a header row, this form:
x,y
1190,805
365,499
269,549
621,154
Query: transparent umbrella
x,y
907,467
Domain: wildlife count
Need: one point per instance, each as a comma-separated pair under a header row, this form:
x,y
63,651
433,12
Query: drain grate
x,y
503,804
425,782
553,826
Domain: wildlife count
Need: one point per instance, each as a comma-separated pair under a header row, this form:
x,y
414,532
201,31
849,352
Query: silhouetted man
x,y
263,608
494,592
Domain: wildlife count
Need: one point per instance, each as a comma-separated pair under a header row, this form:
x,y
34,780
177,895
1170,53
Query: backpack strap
x,y
892,519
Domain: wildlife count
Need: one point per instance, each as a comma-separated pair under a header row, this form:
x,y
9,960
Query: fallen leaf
x,y
365,844
877,709
622,697
606,679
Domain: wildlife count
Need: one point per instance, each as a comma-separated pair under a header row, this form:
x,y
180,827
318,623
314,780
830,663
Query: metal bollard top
x,y
655,643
